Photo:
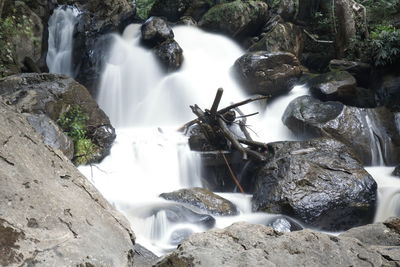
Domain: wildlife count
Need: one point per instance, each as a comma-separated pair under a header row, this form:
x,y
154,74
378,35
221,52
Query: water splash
x,y
61,28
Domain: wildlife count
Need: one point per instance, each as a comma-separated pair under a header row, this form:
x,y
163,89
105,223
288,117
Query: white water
x,y
61,28
150,158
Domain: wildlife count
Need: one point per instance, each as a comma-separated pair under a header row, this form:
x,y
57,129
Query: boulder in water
x,y
360,70
155,31
283,224
170,54
50,213
369,133
396,171
319,182
52,94
204,200
237,18
267,73
243,244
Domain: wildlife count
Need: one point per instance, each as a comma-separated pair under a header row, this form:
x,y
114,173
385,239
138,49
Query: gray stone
x,y
318,182
156,31
50,215
244,244
170,54
204,200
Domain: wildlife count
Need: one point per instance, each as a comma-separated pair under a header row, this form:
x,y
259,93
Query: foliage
x,y
385,44
143,8
73,122
382,9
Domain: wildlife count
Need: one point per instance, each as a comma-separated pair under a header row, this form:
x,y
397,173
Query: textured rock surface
x,y
317,181
368,132
156,31
170,54
52,94
202,199
267,73
245,244
50,215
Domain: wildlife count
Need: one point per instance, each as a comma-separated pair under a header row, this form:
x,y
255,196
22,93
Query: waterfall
x,y
61,28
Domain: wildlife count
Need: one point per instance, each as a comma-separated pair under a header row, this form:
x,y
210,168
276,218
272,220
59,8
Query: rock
x,y
155,31
387,87
361,71
377,234
283,224
204,200
52,94
187,20
267,73
284,37
396,171
172,10
170,54
341,86
237,19
369,133
318,182
50,214
52,134
143,257
244,244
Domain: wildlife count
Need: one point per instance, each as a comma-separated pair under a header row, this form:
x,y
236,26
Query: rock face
x,y
50,214
369,133
155,31
52,94
204,200
237,18
52,134
283,37
245,244
267,73
341,86
317,181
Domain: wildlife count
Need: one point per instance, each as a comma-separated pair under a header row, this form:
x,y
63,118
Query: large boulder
x,y
267,73
244,244
50,214
53,94
204,200
396,171
155,31
170,54
319,182
341,86
361,71
285,37
172,10
237,19
370,133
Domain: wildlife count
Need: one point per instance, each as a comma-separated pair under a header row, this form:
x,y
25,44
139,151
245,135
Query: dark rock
x,y
316,61
52,94
267,73
283,224
237,19
143,257
387,87
244,244
284,37
188,21
170,54
361,71
172,10
377,234
46,220
52,134
204,200
317,181
341,86
396,171
155,31
367,132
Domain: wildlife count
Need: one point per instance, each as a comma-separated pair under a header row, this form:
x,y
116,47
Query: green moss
x,y
143,8
73,122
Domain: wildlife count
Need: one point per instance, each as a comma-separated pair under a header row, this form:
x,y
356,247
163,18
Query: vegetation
x,y
143,7
385,45
73,122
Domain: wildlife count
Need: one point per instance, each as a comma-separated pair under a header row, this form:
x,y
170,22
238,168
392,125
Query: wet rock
x,y
387,86
244,244
369,133
204,200
45,219
377,234
143,257
319,182
237,18
361,71
172,10
283,37
396,171
52,94
284,224
170,54
155,31
52,134
341,86
267,73
179,235
187,20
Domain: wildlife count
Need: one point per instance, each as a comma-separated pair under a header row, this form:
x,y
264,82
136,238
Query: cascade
x,y
61,28
149,157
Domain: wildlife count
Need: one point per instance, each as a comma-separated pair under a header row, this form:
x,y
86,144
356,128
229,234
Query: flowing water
x,y
149,157
61,28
